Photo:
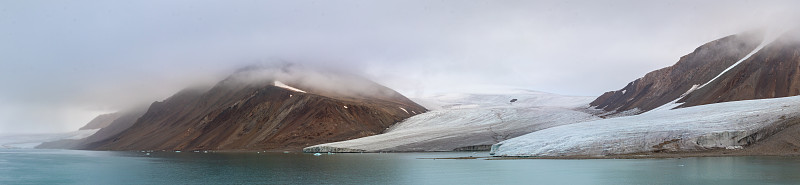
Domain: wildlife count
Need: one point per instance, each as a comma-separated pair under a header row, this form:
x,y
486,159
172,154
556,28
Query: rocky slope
x,y
665,85
772,72
257,108
461,122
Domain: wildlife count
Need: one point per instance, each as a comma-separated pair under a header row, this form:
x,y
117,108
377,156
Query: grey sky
x,y
64,62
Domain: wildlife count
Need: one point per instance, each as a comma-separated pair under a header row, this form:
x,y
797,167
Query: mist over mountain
x,y
101,121
261,108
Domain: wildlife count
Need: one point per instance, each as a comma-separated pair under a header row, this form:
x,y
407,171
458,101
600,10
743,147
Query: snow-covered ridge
x,y
767,40
462,120
720,125
282,85
673,104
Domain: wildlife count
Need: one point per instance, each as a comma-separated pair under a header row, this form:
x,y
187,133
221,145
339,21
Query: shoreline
x,y
755,150
654,155
663,155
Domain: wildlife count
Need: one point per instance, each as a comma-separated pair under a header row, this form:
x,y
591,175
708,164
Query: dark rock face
x,y
246,113
100,121
665,85
770,73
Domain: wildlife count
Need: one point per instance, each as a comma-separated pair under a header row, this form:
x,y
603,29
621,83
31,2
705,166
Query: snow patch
x,y
734,147
345,106
674,103
694,87
282,85
401,108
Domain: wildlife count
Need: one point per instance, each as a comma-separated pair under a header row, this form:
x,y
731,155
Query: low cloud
x,y
314,79
59,56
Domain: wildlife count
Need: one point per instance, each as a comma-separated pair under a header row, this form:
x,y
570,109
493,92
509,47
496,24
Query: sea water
x,y
29,166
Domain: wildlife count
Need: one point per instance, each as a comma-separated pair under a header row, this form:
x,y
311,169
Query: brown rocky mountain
x,y
668,84
100,121
772,72
266,109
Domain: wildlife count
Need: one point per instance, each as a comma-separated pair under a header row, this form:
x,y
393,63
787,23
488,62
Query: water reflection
x,y
91,167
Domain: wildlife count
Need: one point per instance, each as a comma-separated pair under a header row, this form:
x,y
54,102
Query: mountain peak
x,y
668,84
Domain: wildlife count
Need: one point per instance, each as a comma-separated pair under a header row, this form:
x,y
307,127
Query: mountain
x,y
668,84
771,72
266,108
460,122
749,105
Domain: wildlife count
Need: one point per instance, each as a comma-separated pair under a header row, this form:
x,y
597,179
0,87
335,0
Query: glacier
x,y
459,121
728,125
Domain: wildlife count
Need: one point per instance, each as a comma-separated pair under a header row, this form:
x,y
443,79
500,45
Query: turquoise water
x,y
97,167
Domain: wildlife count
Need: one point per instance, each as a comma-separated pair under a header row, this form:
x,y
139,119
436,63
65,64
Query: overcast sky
x,y
64,62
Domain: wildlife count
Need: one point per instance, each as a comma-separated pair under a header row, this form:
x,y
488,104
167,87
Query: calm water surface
x,y
95,167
